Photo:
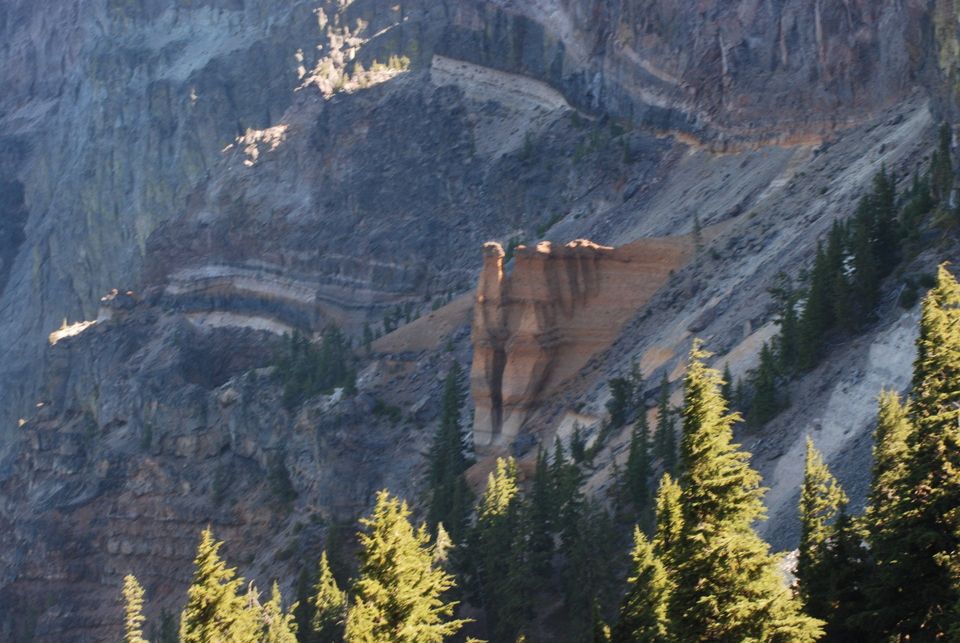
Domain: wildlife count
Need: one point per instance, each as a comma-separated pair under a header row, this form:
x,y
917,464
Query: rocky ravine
x,y
212,158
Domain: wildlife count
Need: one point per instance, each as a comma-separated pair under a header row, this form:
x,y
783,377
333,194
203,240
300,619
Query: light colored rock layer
x,y
538,326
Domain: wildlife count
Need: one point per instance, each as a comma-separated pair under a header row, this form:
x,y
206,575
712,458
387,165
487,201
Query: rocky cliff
x,y
254,167
120,116
536,327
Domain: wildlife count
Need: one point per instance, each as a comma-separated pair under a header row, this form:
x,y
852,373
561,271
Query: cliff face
x,y
231,162
538,326
156,425
118,117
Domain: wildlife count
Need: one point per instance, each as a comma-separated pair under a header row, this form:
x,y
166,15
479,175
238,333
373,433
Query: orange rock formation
x,y
538,326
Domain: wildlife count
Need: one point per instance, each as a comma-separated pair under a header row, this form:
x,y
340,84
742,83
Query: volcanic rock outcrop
x,y
539,325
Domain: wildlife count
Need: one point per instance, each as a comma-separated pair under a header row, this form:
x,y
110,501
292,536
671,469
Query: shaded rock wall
x,y
536,327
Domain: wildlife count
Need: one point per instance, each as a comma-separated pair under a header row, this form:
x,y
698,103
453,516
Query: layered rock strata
x,y
536,327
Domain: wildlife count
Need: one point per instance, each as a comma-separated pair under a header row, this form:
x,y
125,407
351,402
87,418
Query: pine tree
x,y
450,496
886,244
278,626
638,465
600,629
817,314
890,454
329,605
443,546
304,609
727,585
643,612
564,479
726,387
821,501
765,404
844,299
919,570
669,522
842,585
399,594
497,548
941,168
866,274
665,440
789,337
215,611
133,610
167,631
621,396
586,547
541,518
578,444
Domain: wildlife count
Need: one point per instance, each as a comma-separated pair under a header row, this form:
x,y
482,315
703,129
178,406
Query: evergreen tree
x,y
601,630
133,610
621,396
765,404
450,496
843,583
278,626
638,465
941,168
215,611
541,518
167,632
727,585
886,244
303,610
305,369
916,554
578,444
399,594
498,546
788,344
844,303
726,387
917,207
564,479
866,274
442,547
888,487
821,501
890,454
817,314
329,606
669,522
665,444
586,547
643,612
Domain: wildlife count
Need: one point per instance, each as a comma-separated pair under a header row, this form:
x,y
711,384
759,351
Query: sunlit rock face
x,y
119,116
232,164
561,305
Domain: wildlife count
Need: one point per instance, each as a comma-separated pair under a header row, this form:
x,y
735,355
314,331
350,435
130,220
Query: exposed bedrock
x,y
536,327
119,116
